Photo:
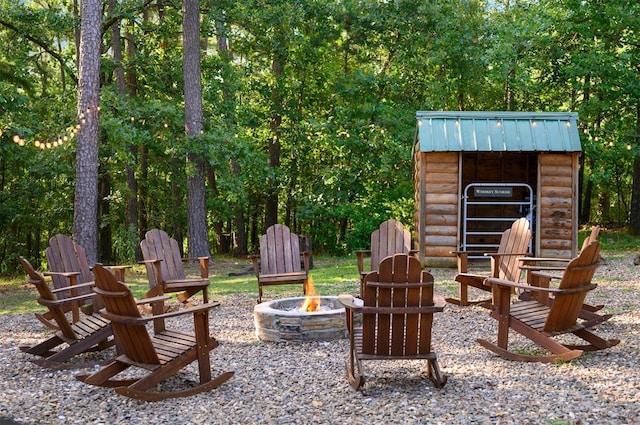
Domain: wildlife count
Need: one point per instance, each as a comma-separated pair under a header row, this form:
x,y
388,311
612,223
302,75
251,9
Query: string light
x,y
68,133
59,140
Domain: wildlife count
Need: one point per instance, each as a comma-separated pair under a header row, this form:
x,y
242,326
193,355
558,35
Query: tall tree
x,y
85,215
196,202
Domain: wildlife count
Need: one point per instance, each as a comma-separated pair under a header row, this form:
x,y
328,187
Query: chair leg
x,y
439,379
595,342
44,348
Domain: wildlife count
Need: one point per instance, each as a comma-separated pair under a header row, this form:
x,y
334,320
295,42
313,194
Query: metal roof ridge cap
x,y
497,115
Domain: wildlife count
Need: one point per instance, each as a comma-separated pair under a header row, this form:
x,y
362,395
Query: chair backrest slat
x,y
401,333
65,256
157,245
45,293
578,273
132,338
390,238
279,251
514,240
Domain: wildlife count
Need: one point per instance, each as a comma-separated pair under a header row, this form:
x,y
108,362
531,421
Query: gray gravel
x,y
302,383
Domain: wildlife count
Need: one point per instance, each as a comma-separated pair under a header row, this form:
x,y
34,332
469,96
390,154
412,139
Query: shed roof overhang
x,y
464,131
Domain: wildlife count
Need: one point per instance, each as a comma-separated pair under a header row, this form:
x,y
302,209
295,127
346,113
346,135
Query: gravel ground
x,y
302,383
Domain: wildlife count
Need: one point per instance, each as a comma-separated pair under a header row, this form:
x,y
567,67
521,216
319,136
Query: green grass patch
x,y
331,276
615,241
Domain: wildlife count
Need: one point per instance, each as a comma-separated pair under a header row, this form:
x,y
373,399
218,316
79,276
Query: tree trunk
x,y
196,202
271,204
85,214
240,243
130,86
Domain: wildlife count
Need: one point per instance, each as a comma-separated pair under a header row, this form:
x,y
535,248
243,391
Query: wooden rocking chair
x,y
539,321
87,333
162,355
552,264
389,238
165,271
279,260
514,243
397,315
68,267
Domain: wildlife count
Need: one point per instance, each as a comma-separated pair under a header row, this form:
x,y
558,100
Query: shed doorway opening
x,y
498,188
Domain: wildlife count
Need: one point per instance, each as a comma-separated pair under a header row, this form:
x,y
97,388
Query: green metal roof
x,y
498,131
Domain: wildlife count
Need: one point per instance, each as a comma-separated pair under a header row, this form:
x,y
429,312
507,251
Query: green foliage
x,y
342,108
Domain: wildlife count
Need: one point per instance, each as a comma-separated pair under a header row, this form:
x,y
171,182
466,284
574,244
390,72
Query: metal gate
x,y
489,209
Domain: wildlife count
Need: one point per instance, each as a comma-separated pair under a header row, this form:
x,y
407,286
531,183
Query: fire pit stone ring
x,y
282,320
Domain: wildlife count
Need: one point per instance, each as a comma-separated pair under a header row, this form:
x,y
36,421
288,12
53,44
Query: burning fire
x,y
311,300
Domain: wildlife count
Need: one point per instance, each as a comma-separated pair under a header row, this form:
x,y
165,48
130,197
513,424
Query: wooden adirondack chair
x,y
389,238
514,243
68,267
552,264
540,322
165,271
88,333
397,316
162,354
279,260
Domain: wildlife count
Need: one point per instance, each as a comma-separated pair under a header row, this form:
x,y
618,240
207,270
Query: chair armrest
x,y
362,251
155,260
505,254
64,301
63,274
469,252
74,287
547,276
195,258
135,320
555,291
152,300
204,264
350,302
540,268
545,259
360,259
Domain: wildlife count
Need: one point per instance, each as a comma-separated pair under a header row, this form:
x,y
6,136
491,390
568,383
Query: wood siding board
x,y
556,215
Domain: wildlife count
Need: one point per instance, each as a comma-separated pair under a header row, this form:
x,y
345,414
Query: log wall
x,y
557,201
437,206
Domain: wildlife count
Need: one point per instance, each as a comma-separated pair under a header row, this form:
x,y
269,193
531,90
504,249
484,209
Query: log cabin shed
x,y
477,172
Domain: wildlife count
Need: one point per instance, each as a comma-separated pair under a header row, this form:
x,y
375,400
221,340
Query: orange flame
x,y
311,299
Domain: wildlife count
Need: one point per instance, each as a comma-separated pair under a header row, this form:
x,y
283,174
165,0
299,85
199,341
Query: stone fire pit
x,y
282,320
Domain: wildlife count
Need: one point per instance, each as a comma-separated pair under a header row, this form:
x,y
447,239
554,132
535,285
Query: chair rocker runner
x,y
539,321
514,243
162,354
88,333
165,271
397,316
389,238
279,260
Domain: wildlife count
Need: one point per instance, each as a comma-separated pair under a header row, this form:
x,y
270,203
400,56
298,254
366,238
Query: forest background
x,y
308,111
